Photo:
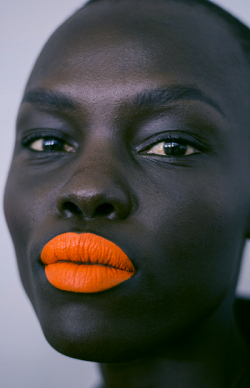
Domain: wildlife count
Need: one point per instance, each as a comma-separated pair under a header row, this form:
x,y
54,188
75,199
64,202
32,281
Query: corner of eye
x,y
145,152
70,149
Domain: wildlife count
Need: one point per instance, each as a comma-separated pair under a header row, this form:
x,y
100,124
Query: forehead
x,y
112,50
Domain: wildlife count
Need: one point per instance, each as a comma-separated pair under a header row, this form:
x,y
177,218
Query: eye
x,y
50,144
171,149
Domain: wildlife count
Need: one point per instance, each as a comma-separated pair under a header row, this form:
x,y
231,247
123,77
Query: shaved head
x,y
239,29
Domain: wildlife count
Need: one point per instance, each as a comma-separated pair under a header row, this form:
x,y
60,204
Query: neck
x,y
213,354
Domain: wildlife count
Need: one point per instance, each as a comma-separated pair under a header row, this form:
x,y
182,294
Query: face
x,y
134,128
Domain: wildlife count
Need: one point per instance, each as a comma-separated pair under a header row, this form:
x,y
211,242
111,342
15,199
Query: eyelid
x,y
159,151
183,137
38,143
37,134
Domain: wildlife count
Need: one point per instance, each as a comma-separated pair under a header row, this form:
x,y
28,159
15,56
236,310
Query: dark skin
x,y
111,84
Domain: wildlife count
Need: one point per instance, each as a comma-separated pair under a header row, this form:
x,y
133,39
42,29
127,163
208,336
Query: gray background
x,y
26,360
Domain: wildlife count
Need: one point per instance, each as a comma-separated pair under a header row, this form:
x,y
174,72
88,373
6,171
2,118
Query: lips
x,y
85,263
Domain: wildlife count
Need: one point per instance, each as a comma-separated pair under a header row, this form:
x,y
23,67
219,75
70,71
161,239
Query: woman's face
x,y
154,107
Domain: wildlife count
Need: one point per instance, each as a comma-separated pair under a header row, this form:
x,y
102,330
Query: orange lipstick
x,y
85,263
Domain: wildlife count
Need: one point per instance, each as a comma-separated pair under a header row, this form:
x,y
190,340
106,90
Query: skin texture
x,y
136,74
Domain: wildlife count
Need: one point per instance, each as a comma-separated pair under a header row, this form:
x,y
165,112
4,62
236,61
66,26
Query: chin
x,y
94,347
96,336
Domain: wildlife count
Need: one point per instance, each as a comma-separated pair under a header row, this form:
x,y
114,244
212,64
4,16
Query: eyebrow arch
x,y
50,99
169,94
147,98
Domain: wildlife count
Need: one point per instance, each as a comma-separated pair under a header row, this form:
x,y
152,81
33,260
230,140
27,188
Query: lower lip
x,y
85,263
84,278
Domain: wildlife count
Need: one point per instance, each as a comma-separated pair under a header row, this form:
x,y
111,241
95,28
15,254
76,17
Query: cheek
x,y
29,198
197,231
21,210
18,217
24,206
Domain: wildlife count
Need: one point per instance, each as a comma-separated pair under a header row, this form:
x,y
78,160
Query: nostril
x,y
69,208
104,210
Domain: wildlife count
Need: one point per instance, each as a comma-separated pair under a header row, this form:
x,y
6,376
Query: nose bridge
x,y
97,185
98,166
92,180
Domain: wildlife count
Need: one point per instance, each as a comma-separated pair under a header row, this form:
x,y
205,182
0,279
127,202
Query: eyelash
x,y
172,138
30,138
179,139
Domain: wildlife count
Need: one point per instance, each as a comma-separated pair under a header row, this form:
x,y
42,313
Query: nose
x,y
92,194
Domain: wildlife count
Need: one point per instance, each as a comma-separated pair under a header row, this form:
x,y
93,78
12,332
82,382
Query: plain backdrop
x,y
26,360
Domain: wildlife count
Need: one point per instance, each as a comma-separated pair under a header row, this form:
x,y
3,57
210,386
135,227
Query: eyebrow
x,y
166,95
56,100
49,99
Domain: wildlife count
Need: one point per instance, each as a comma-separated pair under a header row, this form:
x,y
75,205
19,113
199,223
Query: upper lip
x,y
85,248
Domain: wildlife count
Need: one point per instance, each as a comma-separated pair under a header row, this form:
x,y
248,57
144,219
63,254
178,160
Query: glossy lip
x,y
85,263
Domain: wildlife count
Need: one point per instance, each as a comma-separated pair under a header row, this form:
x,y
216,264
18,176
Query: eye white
x,y
38,145
159,149
68,148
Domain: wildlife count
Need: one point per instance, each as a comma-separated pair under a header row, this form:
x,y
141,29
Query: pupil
x,y
52,145
175,149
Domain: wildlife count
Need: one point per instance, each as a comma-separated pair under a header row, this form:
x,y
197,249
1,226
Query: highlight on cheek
x,y
85,263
